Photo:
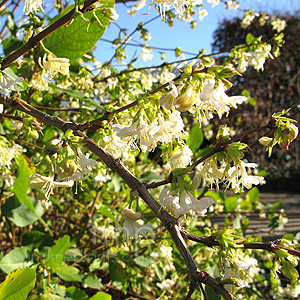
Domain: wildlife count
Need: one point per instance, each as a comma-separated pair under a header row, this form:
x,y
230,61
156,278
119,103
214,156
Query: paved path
x,y
260,226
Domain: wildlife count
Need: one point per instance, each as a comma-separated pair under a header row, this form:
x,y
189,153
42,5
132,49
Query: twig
x,y
212,242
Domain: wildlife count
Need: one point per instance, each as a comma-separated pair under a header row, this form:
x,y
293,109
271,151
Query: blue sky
x,y
181,35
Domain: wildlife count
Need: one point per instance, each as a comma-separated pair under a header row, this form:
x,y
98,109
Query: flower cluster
x,y
163,129
32,6
52,65
7,154
182,202
236,176
212,98
72,166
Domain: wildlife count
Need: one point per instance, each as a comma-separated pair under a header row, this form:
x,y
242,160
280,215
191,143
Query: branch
x,y
117,166
33,41
211,242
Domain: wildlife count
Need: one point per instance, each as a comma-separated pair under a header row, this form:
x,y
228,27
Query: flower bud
x,y
266,141
186,100
53,147
69,167
130,215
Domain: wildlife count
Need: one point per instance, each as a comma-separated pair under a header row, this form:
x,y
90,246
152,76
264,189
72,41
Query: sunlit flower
x,y
181,157
146,54
32,6
278,24
238,177
166,284
85,162
54,65
38,82
7,84
38,181
215,99
170,202
132,226
202,13
7,154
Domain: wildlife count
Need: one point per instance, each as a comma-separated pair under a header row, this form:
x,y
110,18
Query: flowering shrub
x,y
107,190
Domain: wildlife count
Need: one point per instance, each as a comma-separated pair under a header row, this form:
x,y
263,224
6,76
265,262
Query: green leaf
x,y
195,138
276,205
159,271
230,203
80,36
46,297
10,45
69,273
101,296
142,261
18,284
78,95
106,212
249,38
73,292
20,187
117,272
92,282
56,253
15,259
19,213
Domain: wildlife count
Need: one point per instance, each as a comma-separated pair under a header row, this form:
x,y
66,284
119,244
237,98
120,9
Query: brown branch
x,y
8,116
117,166
212,242
33,41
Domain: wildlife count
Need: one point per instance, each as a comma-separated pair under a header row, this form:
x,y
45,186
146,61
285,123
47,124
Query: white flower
x,y
115,145
1,108
213,2
132,227
258,57
181,157
166,284
202,13
39,82
53,65
7,154
8,84
241,267
278,24
238,176
38,181
146,54
216,100
170,127
184,203
32,6
189,203
85,162
170,202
